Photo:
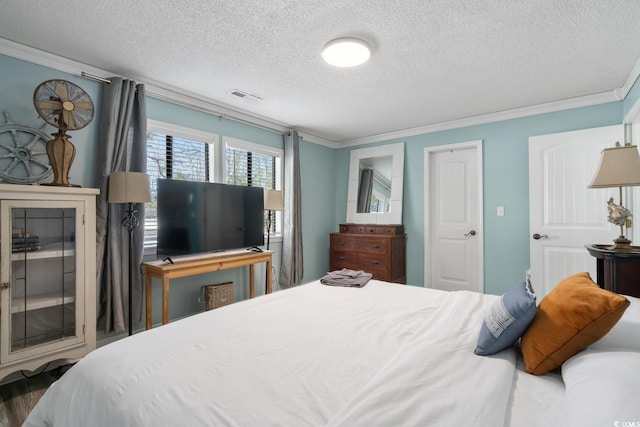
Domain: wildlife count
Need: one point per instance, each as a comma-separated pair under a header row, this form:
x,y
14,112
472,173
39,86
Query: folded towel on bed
x,y
346,277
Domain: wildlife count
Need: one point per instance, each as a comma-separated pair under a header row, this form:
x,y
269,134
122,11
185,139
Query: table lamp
x,y
619,167
272,202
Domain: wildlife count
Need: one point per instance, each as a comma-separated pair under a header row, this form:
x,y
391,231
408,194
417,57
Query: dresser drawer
x,y
389,230
369,263
361,244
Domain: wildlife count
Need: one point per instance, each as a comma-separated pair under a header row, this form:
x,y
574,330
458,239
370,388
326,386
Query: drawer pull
x,y
376,262
341,258
376,246
341,243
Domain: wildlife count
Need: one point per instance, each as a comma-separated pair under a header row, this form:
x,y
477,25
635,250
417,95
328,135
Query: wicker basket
x,y
217,295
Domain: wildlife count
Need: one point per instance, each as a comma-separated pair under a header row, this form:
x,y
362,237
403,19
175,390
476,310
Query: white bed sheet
x,y
437,379
537,400
308,356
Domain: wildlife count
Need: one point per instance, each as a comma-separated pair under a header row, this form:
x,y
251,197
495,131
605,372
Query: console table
x,y
617,271
182,267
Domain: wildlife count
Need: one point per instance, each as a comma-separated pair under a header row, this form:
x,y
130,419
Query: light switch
x,y
500,211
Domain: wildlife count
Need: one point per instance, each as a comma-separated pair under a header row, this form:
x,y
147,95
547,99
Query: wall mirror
x,y
376,184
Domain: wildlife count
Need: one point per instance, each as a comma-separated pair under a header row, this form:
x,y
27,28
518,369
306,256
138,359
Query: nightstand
x,y
617,271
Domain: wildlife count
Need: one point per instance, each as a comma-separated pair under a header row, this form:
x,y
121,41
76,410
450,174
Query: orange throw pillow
x,y
574,315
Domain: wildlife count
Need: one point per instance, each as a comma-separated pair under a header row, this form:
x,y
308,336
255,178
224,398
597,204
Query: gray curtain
x,y
291,269
122,146
365,190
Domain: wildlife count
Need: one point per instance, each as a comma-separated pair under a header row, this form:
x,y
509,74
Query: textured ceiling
x,y
432,61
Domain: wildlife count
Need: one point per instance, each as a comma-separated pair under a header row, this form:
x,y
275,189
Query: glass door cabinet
x,y
47,282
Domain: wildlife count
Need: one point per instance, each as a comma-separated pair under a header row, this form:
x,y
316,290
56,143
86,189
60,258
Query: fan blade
x,y
67,116
50,105
83,105
61,91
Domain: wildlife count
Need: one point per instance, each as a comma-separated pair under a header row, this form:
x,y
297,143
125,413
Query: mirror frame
x,y
394,216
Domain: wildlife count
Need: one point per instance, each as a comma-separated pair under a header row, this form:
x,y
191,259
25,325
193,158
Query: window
x,y
378,203
254,165
175,152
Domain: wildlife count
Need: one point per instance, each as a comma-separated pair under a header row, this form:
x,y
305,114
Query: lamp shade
x,y
273,200
619,167
129,187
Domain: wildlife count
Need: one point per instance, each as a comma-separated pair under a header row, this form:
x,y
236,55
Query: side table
x,y
617,271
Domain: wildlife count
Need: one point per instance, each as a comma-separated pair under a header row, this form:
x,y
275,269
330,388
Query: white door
x,y
453,217
565,215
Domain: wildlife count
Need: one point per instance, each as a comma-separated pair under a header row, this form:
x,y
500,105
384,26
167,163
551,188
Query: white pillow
x,y
603,381
603,388
625,335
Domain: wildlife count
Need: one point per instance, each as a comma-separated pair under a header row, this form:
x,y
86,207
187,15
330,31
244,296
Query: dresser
x,y
374,248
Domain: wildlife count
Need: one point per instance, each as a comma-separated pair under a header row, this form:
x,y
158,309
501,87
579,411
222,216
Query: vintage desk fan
x,y
66,106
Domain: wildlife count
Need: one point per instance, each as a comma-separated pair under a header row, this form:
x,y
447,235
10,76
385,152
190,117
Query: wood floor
x,y
19,397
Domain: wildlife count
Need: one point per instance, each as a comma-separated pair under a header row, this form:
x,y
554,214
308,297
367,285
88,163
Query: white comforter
x,y
382,355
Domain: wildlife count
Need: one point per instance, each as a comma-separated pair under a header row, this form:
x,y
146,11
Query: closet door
x,y
453,214
565,215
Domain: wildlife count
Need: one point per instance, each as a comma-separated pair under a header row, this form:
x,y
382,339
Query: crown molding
x,y
550,107
46,59
153,89
174,95
194,101
633,76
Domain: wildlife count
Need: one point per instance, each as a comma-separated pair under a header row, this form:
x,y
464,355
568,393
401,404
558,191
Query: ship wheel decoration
x,y
66,106
23,154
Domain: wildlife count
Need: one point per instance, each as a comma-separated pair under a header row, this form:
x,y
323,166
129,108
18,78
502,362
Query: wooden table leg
x,y
148,300
251,289
165,300
269,278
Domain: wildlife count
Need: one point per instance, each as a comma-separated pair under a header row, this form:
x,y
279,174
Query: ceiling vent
x,y
245,96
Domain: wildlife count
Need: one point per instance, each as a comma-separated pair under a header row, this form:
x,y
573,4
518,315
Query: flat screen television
x,y
198,217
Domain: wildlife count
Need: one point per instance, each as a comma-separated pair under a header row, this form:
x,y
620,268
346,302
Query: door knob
x,y
537,236
471,233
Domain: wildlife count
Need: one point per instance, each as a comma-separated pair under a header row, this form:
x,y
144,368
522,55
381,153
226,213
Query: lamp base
x,y
621,244
61,153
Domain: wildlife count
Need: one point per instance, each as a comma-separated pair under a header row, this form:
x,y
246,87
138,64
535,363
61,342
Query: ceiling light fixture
x,y
346,52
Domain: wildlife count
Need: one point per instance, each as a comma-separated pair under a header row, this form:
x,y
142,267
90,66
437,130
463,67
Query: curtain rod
x,y
221,116
94,77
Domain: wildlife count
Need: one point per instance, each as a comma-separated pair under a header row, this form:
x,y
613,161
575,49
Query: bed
x,y
317,355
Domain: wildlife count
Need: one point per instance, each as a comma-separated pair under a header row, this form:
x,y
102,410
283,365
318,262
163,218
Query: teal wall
x,y
506,183
324,174
18,80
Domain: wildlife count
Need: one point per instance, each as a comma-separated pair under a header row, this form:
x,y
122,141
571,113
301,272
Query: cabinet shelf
x,y
36,302
42,254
